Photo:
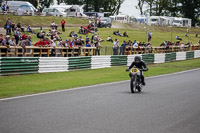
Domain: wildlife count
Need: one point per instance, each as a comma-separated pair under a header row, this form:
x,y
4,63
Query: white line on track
x,y
78,88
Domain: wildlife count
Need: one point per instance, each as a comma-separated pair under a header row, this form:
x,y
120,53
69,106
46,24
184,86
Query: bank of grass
x,y
36,83
139,35
37,21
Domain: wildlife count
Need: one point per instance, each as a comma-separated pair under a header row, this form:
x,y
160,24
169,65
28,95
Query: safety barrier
x,y
15,65
28,65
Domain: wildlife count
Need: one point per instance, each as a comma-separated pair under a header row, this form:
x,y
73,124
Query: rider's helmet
x,y
137,59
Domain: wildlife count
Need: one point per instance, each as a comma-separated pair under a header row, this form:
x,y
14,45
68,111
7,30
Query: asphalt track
x,y
169,104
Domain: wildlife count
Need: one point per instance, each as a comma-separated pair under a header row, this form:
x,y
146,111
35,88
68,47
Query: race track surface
x,y
168,104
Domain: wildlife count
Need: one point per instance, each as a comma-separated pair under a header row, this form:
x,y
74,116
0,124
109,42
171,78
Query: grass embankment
x,y
139,35
37,21
135,31
35,83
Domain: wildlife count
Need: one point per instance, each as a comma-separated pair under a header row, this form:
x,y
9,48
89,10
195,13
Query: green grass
x,y
139,35
37,21
36,83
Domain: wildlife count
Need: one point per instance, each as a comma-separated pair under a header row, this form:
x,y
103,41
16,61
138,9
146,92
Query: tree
x,y
140,6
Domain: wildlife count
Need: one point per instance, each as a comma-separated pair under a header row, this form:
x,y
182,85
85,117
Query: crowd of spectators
x,y
16,36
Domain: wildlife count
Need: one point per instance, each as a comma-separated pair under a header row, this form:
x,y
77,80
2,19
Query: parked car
x,y
54,12
106,22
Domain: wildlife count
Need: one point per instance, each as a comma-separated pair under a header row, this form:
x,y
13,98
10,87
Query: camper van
x,y
154,20
70,10
60,12
14,5
182,22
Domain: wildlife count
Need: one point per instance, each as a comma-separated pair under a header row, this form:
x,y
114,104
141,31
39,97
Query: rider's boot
x,y
142,80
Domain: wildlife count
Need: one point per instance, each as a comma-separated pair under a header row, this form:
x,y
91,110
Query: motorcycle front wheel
x,y
132,84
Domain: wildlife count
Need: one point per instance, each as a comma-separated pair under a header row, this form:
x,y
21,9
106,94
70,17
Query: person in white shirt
x,y
115,47
136,44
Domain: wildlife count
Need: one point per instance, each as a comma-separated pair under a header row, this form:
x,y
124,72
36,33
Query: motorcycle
x,y
135,83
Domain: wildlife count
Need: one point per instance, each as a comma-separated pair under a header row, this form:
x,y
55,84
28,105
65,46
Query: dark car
x,y
106,22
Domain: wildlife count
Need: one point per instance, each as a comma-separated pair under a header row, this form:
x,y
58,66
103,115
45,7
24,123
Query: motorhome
x,y
169,21
70,10
14,5
182,22
60,12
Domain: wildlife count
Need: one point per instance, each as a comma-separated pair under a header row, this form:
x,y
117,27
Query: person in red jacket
x,y
40,43
24,36
63,25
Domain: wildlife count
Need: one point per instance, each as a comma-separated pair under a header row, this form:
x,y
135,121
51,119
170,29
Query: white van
x,y
60,12
182,22
14,5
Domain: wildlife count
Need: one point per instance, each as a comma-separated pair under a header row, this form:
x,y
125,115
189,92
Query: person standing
x,y
63,25
149,36
8,26
115,47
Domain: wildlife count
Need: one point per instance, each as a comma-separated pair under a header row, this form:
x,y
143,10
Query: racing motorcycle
x,y
135,83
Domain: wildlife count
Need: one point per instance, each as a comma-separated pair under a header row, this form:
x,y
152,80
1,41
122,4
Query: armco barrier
x,y
53,64
181,56
118,60
170,57
79,63
148,58
189,55
28,65
17,65
159,58
100,62
197,54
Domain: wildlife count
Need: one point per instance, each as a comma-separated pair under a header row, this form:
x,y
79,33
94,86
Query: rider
x,y
138,63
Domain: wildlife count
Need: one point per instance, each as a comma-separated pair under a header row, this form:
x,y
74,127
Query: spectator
x,y
87,39
12,41
1,38
29,29
7,8
17,34
109,39
24,36
29,40
6,42
98,46
125,34
40,43
136,44
177,38
40,35
99,22
8,26
88,45
122,48
115,47
63,25
149,36
53,44
3,8
24,43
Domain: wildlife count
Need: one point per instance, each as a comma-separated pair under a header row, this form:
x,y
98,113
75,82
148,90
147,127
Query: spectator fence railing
x,y
33,51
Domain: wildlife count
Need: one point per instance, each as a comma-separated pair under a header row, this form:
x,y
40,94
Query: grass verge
x,y
36,83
